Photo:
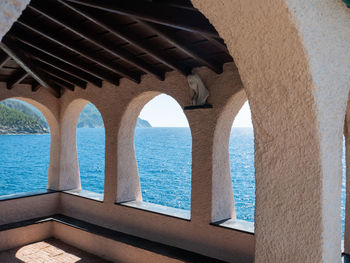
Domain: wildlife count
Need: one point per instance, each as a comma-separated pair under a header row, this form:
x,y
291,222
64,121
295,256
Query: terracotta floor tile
x,y
48,251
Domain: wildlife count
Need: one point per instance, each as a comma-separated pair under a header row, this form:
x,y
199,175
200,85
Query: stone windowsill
x,y
26,194
85,194
235,224
158,209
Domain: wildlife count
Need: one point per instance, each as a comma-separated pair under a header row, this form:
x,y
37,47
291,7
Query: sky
x,y
164,111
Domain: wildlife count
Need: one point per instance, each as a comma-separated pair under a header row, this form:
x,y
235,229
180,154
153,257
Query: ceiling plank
x,y
35,86
176,43
3,59
125,35
52,14
62,82
78,49
10,47
44,47
16,78
180,18
176,3
60,65
60,74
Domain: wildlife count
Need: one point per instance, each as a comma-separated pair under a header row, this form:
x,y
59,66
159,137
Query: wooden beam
x,y
125,55
16,78
218,44
44,46
62,82
60,65
180,18
125,35
9,46
185,4
60,74
78,49
35,86
3,59
162,32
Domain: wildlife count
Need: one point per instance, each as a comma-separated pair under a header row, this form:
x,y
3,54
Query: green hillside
x,y
90,118
18,117
26,109
16,122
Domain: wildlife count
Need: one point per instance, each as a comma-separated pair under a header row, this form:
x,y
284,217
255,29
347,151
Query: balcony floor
x,y
48,251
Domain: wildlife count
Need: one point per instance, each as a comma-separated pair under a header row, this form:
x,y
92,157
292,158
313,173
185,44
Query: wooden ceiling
x,y
65,44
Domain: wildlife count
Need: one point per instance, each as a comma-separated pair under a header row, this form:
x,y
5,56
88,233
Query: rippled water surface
x,y
163,158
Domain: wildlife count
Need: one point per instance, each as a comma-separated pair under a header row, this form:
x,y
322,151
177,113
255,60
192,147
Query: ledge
x,y
85,194
235,224
159,209
171,252
205,106
26,194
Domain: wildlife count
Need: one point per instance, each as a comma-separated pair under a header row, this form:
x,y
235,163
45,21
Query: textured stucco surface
x,y
10,10
325,30
293,61
292,57
212,197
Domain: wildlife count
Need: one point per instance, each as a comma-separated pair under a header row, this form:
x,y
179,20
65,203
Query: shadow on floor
x,y
50,250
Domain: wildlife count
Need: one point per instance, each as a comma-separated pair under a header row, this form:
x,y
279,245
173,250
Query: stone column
x,y
202,130
212,194
293,58
128,182
110,164
68,177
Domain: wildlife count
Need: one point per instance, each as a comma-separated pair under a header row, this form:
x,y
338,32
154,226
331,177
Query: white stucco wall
x,y
325,30
293,58
293,61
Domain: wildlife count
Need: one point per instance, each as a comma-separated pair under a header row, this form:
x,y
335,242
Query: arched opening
x,y
241,151
25,144
163,145
91,149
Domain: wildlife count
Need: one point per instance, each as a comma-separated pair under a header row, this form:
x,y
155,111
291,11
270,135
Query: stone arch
x,y
222,193
69,172
128,183
277,47
53,127
91,149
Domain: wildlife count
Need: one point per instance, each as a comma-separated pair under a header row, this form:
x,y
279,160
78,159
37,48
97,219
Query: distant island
x,y
91,118
17,122
17,117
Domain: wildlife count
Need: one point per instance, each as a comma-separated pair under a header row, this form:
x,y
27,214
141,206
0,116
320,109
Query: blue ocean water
x,y
163,158
164,162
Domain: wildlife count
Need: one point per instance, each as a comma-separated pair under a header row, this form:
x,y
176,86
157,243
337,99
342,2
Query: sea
x,y
163,158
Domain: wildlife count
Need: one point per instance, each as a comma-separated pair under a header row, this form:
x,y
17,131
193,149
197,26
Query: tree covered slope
x,y
16,122
91,118
17,117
